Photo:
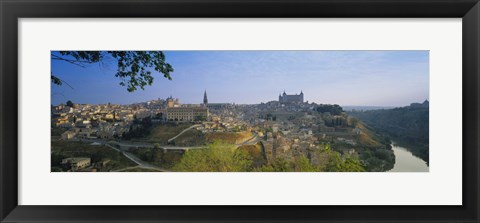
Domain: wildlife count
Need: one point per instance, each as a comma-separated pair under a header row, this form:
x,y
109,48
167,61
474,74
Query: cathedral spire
x,y
205,99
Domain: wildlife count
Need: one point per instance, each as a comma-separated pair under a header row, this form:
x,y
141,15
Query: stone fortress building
x,y
177,112
290,99
187,114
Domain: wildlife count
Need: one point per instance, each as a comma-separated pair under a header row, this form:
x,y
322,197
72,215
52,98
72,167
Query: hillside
x,y
228,137
407,126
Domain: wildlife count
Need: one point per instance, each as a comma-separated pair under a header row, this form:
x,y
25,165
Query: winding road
x,y
251,141
123,148
141,163
152,146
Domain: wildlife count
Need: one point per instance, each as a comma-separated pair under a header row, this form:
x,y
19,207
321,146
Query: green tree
x,y
302,164
70,103
333,109
216,157
299,164
331,161
133,67
279,165
200,118
351,164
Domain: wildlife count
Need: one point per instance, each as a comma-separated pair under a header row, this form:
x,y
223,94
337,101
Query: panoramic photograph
x,y
240,111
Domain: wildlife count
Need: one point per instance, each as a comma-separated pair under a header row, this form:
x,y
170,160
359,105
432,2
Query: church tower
x,y
205,99
301,96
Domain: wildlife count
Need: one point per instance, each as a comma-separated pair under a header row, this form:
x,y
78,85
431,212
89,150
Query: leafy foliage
x,y
70,104
217,157
133,67
255,152
139,128
333,109
298,164
378,160
322,160
303,164
328,160
56,80
278,165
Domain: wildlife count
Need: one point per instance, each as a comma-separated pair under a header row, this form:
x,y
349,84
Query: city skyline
x,y
368,78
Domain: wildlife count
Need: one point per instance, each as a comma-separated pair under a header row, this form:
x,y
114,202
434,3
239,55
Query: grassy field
x,y
191,137
161,133
228,137
367,137
158,157
67,149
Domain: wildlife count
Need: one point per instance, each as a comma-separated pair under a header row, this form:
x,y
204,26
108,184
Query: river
x,y
405,161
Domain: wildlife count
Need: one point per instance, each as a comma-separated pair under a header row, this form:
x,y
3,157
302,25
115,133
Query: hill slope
x,y
407,126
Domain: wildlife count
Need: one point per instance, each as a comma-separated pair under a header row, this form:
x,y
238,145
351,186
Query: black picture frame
x,y
11,11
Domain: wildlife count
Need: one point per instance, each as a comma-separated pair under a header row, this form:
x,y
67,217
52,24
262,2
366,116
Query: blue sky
x,y
374,78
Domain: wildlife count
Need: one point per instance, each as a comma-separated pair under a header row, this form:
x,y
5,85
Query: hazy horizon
x,y
379,106
348,78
